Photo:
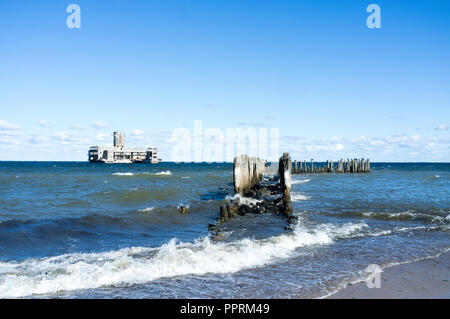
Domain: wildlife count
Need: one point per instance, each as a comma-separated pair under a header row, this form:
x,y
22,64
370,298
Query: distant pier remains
x,y
349,166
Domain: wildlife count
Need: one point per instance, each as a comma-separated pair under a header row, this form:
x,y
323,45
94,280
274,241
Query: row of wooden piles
x,y
349,166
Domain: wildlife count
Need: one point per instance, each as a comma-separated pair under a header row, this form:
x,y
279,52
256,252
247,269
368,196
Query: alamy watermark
x,y
374,19
73,21
374,279
216,145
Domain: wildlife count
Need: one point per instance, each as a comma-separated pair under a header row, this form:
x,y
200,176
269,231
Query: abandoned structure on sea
x,y
118,153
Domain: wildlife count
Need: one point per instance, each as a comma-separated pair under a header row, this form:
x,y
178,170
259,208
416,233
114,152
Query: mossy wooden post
x,y
223,213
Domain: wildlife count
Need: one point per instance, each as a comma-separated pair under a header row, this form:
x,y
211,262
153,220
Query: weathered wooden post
x,y
294,171
247,171
284,171
312,166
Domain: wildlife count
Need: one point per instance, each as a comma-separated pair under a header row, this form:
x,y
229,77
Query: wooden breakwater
x,y
272,196
348,166
247,171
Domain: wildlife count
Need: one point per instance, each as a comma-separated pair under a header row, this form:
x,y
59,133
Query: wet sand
x,y
428,279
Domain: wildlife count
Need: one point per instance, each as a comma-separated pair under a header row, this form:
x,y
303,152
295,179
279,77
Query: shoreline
x,y
427,278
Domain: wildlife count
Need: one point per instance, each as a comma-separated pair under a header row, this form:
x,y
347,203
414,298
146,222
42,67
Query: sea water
x,y
83,230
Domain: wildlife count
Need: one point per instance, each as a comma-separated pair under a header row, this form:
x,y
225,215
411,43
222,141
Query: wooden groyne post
x,y
247,176
247,172
285,172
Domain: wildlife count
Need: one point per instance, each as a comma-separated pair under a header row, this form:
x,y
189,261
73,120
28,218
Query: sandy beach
x,y
427,278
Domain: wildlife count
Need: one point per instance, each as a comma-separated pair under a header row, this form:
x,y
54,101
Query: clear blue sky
x,y
311,68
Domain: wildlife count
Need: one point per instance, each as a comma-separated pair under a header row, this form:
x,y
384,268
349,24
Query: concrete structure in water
x,y
120,154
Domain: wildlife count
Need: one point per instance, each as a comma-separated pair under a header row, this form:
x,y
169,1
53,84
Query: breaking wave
x,y
300,181
164,173
146,210
136,265
295,197
123,174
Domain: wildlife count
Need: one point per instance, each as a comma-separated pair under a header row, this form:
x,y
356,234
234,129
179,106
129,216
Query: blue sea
x,y
84,230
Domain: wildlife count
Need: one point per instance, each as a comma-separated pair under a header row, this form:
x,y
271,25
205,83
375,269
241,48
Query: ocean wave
x,y
164,173
140,264
300,181
146,209
123,174
142,173
398,230
406,215
295,197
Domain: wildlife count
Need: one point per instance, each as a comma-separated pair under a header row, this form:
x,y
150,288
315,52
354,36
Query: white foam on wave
x,y
146,210
406,229
296,197
300,181
146,173
242,200
140,265
123,174
164,173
